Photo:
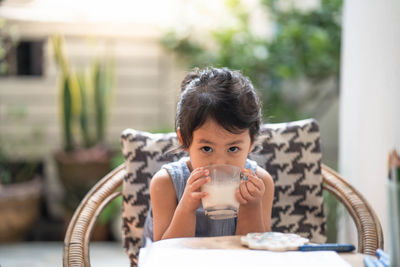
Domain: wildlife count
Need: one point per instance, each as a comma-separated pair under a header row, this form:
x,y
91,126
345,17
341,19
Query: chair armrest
x,y
369,230
77,237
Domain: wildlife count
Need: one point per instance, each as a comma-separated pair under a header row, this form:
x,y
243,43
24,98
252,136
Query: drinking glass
x,y
221,202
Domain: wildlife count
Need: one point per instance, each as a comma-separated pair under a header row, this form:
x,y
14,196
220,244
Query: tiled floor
x,y
46,254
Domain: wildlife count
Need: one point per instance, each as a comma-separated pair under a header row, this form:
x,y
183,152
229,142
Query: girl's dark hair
x,y
221,94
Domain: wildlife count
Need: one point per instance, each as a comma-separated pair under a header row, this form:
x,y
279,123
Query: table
x,y
233,242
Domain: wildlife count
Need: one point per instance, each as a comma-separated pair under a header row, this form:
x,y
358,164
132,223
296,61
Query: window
x,y
25,59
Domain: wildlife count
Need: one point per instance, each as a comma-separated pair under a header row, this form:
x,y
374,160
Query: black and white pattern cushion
x,y
290,152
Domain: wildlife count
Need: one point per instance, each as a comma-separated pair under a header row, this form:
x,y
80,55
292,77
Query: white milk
x,y
221,202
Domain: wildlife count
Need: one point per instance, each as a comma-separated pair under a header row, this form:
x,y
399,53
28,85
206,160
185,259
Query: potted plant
x,y
84,103
21,186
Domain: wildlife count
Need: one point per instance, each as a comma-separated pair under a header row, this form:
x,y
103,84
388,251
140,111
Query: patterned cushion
x,y
290,152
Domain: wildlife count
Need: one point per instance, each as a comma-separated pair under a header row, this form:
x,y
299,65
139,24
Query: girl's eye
x,y
206,149
233,149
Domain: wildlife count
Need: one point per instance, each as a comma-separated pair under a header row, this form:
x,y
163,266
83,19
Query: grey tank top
x,y
205,226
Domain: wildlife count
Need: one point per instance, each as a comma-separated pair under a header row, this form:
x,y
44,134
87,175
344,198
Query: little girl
x,y
217,121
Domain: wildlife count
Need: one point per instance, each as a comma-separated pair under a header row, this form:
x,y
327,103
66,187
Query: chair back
x,y
290,152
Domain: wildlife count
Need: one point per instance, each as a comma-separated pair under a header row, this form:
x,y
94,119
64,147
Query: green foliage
x,y
331,205
85,96
67,111
304,44
103,82
13,171
111,210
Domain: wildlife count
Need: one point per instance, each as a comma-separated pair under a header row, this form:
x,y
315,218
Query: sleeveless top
x,y
179,173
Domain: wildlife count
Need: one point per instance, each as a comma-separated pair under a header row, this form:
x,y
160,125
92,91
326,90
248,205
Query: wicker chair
x,y
76,243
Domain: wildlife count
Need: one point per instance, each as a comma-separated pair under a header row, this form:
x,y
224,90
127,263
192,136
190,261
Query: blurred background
x,y
74,74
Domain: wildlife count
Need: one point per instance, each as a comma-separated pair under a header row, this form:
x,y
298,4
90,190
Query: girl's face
x,y
212,144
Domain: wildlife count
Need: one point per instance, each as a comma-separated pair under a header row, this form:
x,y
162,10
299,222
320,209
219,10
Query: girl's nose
x,y
220,160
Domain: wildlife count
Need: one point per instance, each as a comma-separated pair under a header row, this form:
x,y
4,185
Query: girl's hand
x,y
252,190
192,195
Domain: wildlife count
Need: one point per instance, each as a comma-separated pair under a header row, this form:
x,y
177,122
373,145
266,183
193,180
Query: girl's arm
x,y
170,218
255,212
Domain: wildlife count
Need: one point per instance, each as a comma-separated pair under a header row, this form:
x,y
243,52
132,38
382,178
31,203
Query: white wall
x,y
144,95
370,100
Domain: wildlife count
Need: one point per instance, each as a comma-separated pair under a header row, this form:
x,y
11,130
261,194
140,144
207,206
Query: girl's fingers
x,y
199,182
257,182
239,197
254,180
196,174
199,195
252,189
244,191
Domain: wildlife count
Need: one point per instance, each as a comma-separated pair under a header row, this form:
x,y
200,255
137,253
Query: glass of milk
x,y
221,202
